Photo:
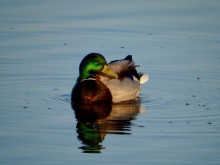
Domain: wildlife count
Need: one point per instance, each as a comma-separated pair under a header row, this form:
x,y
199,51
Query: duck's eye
x,y
96,60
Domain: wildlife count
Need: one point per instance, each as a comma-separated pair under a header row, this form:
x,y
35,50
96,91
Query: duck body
x,y
111,83
90,91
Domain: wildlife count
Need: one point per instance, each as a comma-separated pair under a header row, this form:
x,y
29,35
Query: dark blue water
x,y
176,119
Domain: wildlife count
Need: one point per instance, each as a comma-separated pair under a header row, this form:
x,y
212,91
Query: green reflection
x,y
90,136
95,121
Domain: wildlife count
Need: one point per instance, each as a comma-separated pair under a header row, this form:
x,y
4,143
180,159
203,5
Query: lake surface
x,y
175,120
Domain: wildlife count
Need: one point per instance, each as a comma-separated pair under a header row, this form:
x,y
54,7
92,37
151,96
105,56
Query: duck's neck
x,y
84,74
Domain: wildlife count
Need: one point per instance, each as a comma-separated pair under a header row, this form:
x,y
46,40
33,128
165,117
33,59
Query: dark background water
x,y
177,117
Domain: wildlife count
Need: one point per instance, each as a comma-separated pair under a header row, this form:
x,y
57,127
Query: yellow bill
x,y
109,72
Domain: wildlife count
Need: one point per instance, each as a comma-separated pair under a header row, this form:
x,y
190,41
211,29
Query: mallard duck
x,y
99,82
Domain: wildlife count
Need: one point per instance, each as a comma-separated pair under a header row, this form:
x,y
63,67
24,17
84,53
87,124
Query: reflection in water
x,y
97,120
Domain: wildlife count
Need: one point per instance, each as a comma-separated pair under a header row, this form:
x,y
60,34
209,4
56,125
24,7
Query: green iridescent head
x,y
92,64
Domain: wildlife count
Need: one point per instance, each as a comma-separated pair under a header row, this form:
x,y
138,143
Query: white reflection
x,y
96,121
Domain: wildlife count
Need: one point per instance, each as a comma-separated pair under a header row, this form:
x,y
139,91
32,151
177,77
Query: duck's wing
x,y
124,67
123,90
128,86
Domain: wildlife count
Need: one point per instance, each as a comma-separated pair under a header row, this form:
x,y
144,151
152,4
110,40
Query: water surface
x,y
176,119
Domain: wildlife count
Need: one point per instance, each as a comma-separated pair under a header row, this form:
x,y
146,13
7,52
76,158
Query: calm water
x,y
176,119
